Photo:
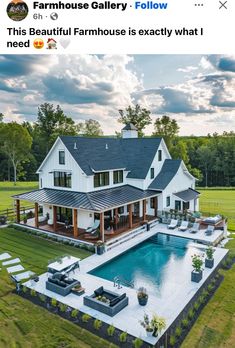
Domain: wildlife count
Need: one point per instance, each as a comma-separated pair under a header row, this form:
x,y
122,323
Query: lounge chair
x,y
209,230
195,227
173,224
183,226
94,227
93,235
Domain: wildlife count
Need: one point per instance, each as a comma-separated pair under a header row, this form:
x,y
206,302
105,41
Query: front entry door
x,y
177,205
64,214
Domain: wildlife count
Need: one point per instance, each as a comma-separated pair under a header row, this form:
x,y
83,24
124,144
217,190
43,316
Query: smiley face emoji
x,y
38,44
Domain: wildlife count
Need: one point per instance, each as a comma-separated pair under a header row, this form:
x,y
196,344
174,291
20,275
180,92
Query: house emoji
x,y
51,44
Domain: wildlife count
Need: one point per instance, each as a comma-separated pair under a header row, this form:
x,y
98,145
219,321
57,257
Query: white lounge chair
x,y
195,227
209,230
183,226
173,224
94,227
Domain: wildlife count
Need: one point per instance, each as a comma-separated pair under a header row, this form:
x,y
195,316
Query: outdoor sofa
x,y
61,284
115,302
212,220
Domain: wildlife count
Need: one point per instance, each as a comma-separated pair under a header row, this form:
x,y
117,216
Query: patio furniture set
x,y
211,222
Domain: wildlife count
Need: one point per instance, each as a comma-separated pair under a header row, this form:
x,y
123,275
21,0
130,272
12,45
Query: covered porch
x,y
136,208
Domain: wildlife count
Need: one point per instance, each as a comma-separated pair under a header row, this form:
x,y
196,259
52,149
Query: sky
x,y
196,90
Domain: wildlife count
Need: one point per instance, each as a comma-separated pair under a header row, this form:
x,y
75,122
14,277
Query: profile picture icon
x,y
17,10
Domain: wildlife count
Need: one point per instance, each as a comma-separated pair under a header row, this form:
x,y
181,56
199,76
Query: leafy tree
x,y
167,128
16,144
52,122
89,128
1,117
139,117
205,155
179,151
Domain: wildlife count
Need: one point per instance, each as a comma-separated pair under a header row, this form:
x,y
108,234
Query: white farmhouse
x,y
113,184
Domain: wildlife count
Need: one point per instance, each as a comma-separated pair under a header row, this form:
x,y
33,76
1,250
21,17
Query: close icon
x,y
54,16
223,5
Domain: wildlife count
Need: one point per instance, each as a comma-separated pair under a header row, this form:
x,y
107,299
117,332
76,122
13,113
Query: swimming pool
x,y
161,264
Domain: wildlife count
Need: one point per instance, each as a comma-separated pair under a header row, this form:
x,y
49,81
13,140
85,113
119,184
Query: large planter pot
x,y
100,249
149,333
209,263
155,333
196,276
143,301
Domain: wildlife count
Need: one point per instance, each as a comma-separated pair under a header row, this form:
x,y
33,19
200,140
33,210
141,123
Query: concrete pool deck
x,y
128,319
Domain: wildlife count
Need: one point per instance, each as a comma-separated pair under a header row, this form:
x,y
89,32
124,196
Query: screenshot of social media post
x,y
117,174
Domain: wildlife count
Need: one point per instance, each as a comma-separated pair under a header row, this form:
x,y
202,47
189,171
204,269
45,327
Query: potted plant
x,y
142,296
25,219
100,247
157,324
145,323
197,263
209,262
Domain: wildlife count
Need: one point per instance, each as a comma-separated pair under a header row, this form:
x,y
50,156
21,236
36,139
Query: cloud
x,y
97,86
188,69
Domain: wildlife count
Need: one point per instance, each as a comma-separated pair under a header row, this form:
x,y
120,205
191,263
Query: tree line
x,y
211,158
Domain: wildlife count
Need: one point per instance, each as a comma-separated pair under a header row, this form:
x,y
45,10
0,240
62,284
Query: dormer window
x,y
61,157
101,179
152,173
118,176
159,155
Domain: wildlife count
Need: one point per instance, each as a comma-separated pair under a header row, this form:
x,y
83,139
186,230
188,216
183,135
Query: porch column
x,y
75,223
130,215
18,211
155,206
54,218
102,226
36,215
116,217
144,209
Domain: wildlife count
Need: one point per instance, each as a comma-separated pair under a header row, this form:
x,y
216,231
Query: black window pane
x,y
61,157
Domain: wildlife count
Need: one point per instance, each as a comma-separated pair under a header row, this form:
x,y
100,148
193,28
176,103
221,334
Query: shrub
x,y
63,307
185,322
191,314
178,331
210,288
42,298
86,318
53,302
97,324
123,337
137,343
24,289
201,299
110,330
205,294
196,306
172,341
33,292
74,313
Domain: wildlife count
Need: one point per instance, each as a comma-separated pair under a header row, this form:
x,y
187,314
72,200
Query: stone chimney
x,y
129,131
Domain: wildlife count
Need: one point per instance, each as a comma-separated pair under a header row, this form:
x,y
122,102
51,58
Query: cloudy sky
x,y
198,91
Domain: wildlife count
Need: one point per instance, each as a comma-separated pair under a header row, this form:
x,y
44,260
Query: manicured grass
x,y
215,328
7,189
214,201
23,324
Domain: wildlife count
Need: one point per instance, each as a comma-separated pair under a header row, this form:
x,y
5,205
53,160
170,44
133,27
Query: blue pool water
x,y
162,264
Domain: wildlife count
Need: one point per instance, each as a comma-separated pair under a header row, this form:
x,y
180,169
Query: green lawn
x,y
7,189
219,202
24,325
215,327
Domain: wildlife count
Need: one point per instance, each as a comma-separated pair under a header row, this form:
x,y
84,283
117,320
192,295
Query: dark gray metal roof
x,y
187,195
96,201
130,126
97,154
168,171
